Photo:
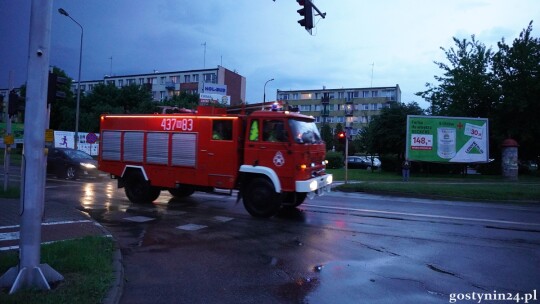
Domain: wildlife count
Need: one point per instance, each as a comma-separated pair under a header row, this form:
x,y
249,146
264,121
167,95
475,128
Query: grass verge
x,y
85,263
470,187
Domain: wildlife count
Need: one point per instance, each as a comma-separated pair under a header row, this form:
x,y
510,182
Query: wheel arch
x,y
248,170
129,169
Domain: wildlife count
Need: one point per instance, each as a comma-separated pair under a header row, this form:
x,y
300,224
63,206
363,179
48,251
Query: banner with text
x,y
447,139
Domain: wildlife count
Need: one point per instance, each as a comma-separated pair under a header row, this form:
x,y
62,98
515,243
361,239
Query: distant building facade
x,y
350,107
164,85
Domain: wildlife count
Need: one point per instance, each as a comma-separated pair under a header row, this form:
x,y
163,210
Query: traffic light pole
x,y
7,151
30,273
346,158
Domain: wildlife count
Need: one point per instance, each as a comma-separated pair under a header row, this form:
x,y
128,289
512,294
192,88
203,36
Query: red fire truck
x,y
274,158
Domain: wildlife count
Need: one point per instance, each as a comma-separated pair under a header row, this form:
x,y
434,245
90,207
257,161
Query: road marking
x,y
191,227
472,219
223,218
139,219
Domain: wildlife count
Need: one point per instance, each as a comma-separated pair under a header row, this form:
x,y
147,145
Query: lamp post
x,y
264,95
63,12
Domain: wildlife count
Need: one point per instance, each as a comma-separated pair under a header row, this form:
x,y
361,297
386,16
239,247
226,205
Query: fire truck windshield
x,y
304,132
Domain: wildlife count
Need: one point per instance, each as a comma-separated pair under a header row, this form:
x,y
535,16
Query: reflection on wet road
x,y
339,248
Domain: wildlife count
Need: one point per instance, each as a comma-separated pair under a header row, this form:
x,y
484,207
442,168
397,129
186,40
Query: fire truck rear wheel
x,y
182,191
139,191
260,198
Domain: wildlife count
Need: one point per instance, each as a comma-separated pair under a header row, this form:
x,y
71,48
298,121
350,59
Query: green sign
x,y
447,139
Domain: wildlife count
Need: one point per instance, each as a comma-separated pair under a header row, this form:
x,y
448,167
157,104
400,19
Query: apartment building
x,y
350,107
163,85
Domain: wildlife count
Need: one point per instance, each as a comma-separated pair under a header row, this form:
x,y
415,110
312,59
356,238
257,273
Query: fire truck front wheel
x,y
139,191
260,198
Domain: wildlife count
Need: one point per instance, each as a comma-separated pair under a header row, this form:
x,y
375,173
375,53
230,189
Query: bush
x,y
335,160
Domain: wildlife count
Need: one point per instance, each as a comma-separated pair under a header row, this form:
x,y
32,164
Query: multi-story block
x,y
351,107
164,85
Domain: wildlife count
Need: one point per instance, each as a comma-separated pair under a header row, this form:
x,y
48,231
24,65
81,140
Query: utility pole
x,y
30,273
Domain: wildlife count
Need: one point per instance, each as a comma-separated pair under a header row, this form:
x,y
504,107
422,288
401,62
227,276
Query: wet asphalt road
x,y
339,248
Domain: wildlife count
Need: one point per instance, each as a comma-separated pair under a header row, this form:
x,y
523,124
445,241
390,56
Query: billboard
x,y
205,99
447,139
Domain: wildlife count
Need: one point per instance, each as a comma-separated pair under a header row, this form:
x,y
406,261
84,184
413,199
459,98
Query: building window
x,y
162,80
187,78
374,93
174,79
365,106
365,94
91,87
120,82
373,106
151,80
284,96
379,106
341,95
356,94
195,77
305,96
131,81
316,95
318,108
110,82
141,81
210,77
295,96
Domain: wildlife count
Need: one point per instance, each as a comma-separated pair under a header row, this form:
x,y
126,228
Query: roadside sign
x,y
447,139
91,138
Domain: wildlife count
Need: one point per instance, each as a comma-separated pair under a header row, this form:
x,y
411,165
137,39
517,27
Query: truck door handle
x,y
211,154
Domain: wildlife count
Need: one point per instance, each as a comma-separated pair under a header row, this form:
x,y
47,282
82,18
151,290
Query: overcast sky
x,y
358,44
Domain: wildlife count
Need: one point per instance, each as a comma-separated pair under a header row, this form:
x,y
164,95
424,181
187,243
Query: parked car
x,y
71,164
363,162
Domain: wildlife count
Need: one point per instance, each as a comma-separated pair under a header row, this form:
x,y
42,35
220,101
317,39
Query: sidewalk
x,y
59,223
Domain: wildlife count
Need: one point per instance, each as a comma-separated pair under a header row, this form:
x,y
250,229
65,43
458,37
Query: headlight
x,y
313,185
88,165
329,178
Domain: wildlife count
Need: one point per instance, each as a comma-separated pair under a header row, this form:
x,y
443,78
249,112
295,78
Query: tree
x,y
113,100
183,100
503,87
468,87
327,136
518,69
385,134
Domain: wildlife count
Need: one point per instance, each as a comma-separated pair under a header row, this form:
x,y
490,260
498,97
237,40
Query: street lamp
x,y
63,12
264,95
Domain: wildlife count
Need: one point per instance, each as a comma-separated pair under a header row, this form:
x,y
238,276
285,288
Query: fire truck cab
x,y
274,158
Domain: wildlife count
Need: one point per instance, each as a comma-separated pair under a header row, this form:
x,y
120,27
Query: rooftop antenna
x,y
372,65
204,58
110,72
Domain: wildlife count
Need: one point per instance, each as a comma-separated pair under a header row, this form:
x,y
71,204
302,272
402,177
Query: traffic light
x,y
307,13
342,137
12,103
54,88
